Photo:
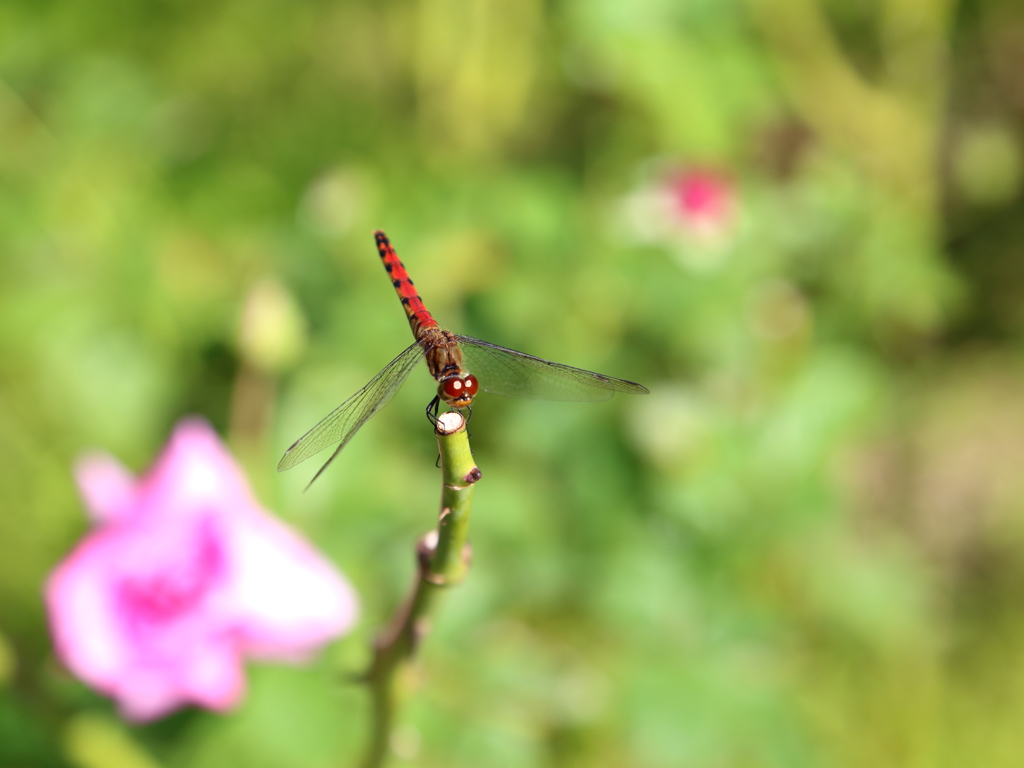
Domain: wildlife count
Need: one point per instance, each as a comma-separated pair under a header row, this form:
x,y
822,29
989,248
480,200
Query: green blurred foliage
x,y
802,549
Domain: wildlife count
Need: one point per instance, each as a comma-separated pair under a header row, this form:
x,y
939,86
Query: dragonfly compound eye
x,y
472,385
454,387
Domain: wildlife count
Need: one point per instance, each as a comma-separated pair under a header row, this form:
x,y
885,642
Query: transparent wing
x,y
504,371
345,420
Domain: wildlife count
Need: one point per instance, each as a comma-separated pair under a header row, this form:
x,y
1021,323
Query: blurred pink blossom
x,y
703,200
183,576
691,209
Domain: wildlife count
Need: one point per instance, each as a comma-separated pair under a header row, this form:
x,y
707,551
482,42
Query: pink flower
x,y
692,210
184,575
702,201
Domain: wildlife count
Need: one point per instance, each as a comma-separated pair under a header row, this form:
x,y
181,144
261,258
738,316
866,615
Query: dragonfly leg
x,y
432,410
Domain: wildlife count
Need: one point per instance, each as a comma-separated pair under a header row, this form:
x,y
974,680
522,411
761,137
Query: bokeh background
x,y
799,222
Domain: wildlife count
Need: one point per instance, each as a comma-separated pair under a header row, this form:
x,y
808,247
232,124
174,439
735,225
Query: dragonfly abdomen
x,y
415,310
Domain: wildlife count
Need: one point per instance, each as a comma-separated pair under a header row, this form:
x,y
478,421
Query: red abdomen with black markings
x,y
419,316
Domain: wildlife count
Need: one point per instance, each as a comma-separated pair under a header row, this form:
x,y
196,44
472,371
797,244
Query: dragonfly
x,y
463,367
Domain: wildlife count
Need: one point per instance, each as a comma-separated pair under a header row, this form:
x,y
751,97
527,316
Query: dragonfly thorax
x,y
441,349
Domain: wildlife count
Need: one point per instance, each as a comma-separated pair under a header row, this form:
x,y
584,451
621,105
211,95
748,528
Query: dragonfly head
x,y
458,391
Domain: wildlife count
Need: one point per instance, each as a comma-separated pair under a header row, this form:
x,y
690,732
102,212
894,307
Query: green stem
x,y
442,557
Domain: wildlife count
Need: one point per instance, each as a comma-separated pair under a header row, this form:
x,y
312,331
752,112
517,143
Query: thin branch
x,y
442,557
